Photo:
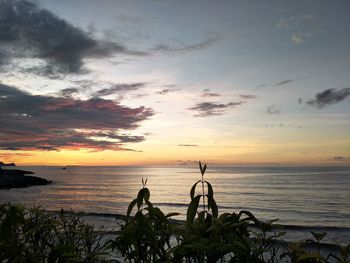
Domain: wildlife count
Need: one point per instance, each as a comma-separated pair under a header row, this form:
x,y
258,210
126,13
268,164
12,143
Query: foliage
x,y
36,236
148,235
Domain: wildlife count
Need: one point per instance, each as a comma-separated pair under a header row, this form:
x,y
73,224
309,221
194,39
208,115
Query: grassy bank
x,y
149,235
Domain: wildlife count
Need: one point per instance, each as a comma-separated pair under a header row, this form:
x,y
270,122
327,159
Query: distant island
x,y
15,178
7,164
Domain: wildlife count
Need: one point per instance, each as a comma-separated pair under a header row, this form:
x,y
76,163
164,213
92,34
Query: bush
x,y
34,235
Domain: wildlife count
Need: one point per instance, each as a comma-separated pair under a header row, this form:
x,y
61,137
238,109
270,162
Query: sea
x,y
301,198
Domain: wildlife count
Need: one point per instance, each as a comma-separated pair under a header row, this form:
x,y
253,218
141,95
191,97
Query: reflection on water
x,y
299,196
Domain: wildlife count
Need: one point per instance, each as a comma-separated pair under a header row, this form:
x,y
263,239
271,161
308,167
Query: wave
x,y
288,227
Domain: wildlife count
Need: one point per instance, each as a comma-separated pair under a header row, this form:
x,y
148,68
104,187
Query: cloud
x,y
27,31
272,109
166,91
296,25
119,88
293,22
210,94
340,158
283,82
186,162
188,145
329,97
297,39
205,109
178,46
248,96
35,122
68,92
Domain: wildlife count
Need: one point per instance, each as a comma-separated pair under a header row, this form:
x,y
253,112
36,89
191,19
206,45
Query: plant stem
x,y
203,194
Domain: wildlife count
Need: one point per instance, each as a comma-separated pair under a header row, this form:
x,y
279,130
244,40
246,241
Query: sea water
x,y
303,198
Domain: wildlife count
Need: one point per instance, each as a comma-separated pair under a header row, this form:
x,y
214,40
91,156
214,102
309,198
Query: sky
x,y
165,82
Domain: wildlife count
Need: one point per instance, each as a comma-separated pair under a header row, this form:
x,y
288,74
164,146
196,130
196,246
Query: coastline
x,y
15,178
294,233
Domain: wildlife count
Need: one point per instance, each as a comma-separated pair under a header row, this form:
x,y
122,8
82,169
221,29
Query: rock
x,y
18,179
14,172
7,164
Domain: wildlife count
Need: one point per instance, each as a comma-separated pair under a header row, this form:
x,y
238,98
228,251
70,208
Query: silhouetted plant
x,y
36,236
145,237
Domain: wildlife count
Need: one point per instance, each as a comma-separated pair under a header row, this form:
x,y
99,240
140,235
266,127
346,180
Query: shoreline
x,y
294,233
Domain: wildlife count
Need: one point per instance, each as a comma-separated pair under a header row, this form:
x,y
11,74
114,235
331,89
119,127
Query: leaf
x,y
130,207
192,209
213,206
202,168
147,194
210,190
307,257
193,189
318,236
156,212
139,198
172,214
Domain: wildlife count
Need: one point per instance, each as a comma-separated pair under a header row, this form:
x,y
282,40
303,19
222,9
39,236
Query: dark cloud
x,y
329,97
283,82
178,46
248,96
68,92
119,88
300,101
340,158
205,109
272,109
29,31
32,122
186,162
188,145
166,91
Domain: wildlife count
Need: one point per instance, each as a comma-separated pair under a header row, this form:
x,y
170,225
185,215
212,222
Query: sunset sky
x,y
86,82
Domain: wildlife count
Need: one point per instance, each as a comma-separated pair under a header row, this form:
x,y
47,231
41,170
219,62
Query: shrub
x,y
34,235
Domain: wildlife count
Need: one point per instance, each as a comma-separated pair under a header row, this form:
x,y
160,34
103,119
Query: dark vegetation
x,y
149,235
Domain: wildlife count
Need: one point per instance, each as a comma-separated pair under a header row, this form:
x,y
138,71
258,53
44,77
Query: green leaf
x,y
210,189
213,206
192,209
130,207
139,198
193,189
